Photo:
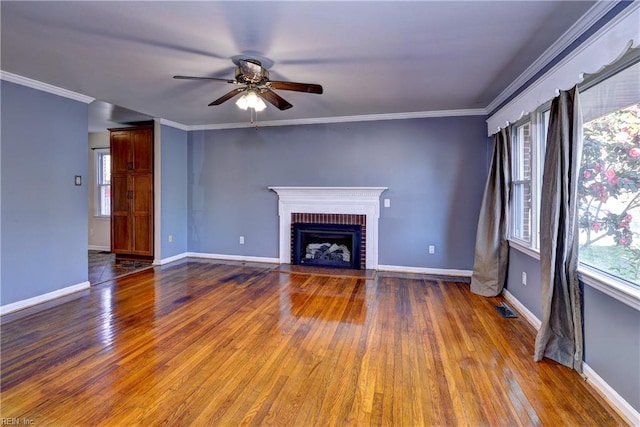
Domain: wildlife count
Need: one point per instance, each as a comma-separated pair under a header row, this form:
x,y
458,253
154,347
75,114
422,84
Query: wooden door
x,y
142,214
142,150
121,153
132,191
121,242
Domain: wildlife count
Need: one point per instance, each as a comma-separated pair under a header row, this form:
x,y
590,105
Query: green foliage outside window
x,y
609,191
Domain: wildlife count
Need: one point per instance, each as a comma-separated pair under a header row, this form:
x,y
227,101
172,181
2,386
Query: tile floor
x,y
104,266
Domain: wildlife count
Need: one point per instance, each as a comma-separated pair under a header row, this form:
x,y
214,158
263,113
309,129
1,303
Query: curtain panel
x,y
560,335
492,248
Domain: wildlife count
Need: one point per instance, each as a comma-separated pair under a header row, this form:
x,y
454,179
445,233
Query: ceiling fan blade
x,y
203,78
227,96
250,70
275,99
298,87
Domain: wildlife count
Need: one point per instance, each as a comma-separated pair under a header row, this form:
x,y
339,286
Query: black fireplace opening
x,y
327,245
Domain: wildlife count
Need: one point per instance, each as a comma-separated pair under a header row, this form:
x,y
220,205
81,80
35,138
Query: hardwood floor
x,y
208,343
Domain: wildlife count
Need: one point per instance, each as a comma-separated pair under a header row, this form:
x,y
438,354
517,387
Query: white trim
x,y
603,48
45,87
619,404
597,11
19,305
615,288
627,294
242,258
425,270
329,200
524,311
174,124
157,192
524,249
345,119
165,261
99,248
95,182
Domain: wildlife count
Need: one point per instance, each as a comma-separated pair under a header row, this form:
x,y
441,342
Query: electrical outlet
x,y
387,203
170,238
242,240
524,278
432,249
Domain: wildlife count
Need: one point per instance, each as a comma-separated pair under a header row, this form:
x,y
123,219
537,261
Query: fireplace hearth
x,y
327,245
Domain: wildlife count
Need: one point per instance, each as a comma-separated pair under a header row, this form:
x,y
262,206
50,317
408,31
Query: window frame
x,y
615,287
536,120
517,163
98,154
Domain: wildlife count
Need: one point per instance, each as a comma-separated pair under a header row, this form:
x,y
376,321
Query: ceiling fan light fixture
x,y
251,100
242,102
259,105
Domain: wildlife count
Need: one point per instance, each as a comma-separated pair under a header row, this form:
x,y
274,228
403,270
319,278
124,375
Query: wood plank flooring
x,y
224,344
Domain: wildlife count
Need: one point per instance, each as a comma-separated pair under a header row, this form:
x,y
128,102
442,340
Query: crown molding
x,y
45,87
604,47
174,124
346,119
593,15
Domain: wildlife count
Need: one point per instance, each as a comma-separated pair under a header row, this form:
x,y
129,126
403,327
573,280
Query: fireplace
x,y
330,202
327,245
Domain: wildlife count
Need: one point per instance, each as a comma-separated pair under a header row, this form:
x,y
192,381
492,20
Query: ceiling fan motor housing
x,y
252,71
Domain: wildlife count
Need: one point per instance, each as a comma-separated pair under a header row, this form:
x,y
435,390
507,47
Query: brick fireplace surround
x,y
330,204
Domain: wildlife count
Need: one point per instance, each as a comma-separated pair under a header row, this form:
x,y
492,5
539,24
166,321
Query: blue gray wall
x,y
611,339
173,202
435,169
44,215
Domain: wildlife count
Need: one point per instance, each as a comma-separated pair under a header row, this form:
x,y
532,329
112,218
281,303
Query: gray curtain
x,y
560,335
492,249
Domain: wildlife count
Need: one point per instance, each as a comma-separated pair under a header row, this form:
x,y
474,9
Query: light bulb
x,y
260,105
252,99
242,102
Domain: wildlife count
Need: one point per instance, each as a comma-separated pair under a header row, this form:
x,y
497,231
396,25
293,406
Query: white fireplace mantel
x,y
327,200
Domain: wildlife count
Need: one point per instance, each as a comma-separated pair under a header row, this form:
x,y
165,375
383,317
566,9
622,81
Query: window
x,y
521,188
103,182
609,186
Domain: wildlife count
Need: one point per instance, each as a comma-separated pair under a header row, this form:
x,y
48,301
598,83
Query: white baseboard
x,y
425,270
621,406
99,248
19,305
524,311
617,402
242,258
174,258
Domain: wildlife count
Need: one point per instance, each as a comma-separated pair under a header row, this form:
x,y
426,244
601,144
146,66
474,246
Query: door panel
x,y
142,211
121,158
142,148
120,234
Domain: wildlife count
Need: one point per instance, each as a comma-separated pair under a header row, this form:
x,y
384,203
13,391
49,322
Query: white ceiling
x,y
371,57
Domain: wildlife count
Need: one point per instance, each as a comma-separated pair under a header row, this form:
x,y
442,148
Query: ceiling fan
x,y
255,85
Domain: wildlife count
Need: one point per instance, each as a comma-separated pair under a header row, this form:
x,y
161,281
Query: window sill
x,y
102,218
625,293
524,249
617,289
